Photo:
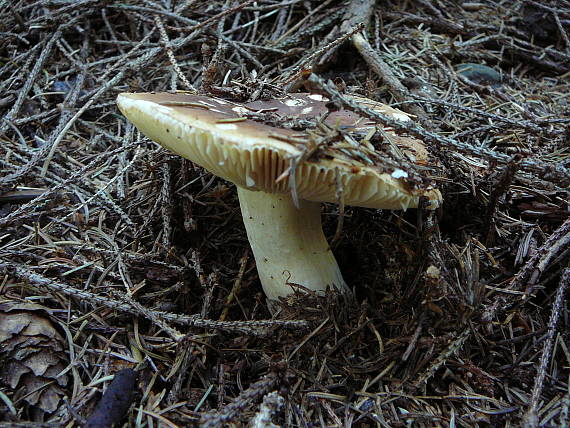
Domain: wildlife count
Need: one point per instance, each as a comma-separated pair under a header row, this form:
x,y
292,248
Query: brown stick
x,y
360,11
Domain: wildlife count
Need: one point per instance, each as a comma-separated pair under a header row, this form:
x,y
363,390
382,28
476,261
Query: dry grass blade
x,y
531,416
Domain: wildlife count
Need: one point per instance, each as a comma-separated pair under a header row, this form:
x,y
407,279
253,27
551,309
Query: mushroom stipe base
x,y
288,244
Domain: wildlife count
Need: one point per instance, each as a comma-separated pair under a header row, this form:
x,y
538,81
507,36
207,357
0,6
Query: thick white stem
x,y
288,244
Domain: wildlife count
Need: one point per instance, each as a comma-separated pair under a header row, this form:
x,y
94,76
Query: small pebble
x,y
480,74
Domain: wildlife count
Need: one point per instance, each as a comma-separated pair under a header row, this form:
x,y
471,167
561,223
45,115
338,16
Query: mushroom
x,y
280,188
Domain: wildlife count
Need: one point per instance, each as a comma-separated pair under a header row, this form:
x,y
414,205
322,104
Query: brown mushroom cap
x,y
215,134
